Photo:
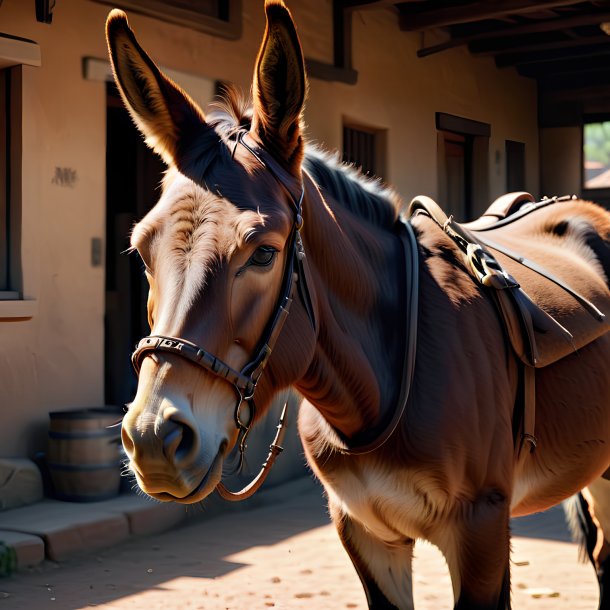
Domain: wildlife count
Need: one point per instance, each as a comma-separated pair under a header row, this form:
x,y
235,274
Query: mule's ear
x,y
166,115
279,87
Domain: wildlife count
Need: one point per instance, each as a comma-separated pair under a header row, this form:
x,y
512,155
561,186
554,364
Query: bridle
x,y
245,381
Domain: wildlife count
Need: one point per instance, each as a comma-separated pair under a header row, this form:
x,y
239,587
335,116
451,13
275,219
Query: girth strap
x,y
509,298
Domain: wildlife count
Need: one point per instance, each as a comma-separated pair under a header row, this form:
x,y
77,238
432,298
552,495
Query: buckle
x,y
487,270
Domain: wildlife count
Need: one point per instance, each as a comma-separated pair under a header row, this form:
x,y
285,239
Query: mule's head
x,y
216,248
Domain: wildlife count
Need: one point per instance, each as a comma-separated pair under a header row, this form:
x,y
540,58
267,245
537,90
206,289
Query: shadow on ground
x,y
549,525
200,549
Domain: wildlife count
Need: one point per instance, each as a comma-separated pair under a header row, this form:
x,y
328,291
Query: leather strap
x,y
509,297
411,257
274,450
189,351
585,303
529,409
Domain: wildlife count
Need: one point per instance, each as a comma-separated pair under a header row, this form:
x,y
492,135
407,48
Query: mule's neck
x,y
358,274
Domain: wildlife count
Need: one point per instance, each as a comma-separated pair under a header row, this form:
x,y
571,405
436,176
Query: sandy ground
x,y
284,555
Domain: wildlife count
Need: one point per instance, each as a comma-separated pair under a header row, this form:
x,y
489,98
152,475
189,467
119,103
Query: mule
x,y
252,225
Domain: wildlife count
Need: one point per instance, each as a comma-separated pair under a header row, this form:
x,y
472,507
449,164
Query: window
x,y
217,17
9,174
15,52
596,154
365,148
4,187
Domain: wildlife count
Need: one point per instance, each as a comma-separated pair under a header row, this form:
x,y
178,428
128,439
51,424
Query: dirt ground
x,y
284,555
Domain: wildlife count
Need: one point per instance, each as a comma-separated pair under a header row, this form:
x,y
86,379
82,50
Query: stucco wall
x,y
401,93
55,359
560,149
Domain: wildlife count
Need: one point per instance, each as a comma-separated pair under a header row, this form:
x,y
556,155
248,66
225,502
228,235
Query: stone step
x,y
29,549
69,529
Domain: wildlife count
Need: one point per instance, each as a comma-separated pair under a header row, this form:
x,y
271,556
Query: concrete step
x,y
68,529
59,530
29,549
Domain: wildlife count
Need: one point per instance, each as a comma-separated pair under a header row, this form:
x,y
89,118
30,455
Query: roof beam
x,y
592,93
424,19
520,52
547,25
574,80
567,66
360,4
551,52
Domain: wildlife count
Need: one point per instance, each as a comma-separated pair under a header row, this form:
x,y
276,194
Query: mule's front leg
x,y
478,553
384,569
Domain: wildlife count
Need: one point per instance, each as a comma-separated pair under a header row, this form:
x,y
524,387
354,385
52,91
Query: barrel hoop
x,y
83,434
85,414
84,467
68,497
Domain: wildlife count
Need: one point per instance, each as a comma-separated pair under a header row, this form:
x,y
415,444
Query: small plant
x,y
8,559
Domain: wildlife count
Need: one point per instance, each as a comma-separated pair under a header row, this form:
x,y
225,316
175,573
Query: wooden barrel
x,y
84,454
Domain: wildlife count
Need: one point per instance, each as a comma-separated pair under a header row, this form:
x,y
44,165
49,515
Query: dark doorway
x,y
133,176
458,175
515,166
463,167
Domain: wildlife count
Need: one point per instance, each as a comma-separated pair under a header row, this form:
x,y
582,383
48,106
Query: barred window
x,y
364,147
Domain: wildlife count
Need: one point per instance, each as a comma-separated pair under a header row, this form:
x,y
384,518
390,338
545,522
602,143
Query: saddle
x,y
545,318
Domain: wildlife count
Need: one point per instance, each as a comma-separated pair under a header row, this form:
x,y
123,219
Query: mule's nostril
x,y
185,447
172,436
179,441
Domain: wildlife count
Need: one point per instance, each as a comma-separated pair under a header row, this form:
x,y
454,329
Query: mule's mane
x,y
364,197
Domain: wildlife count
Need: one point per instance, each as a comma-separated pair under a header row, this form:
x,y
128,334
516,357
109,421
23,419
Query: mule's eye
x,y
263,256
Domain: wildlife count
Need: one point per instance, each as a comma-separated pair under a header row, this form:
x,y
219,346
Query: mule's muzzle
x,y
174,438
167,458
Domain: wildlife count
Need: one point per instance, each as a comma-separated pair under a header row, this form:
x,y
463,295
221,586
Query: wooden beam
x,y
553,52
591,93
415,19
330,72
580,80
457,124
548,25
363,4
567,66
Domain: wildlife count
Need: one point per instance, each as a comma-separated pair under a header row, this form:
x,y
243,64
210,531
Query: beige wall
x,y
55,359
401,93
561,151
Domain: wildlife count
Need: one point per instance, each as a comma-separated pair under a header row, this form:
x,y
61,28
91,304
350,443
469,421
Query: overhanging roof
x,y
561,44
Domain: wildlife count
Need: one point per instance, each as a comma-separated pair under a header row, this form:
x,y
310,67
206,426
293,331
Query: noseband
x,y
245,381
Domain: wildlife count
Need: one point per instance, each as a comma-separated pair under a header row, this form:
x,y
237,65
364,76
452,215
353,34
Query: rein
x,y
245,381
